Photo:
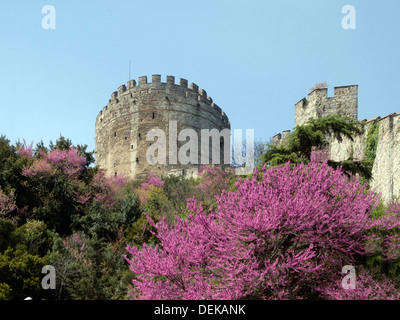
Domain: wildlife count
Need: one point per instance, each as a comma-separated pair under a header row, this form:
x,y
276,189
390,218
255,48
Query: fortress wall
x,y
386,169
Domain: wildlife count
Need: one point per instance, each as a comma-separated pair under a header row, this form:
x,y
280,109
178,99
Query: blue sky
x,y
256,59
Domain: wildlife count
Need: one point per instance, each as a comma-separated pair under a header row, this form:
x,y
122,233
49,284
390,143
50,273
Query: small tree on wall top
x,y
320,85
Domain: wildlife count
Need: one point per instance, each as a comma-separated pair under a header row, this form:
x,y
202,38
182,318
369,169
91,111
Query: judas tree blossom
x,y
365,288
26,150
213,180
107,190
68,162
283,234
382,237
152,180
75,245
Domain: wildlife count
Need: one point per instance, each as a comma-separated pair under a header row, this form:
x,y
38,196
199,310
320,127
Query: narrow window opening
x,y
154,115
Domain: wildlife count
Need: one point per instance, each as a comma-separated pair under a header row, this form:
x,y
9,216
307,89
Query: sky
x,y
255,58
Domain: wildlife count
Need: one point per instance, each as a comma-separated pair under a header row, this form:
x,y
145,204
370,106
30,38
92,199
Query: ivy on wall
x,y
305,102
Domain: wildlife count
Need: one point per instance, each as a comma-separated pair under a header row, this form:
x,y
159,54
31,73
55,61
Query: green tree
x,y
6,234
90,268
314,134
20,271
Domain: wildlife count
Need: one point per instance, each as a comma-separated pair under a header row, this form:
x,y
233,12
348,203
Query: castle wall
x,y
344,101
134,110
386,168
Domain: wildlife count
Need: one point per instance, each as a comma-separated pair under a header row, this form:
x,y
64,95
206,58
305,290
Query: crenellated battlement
x,y
344,101
192,91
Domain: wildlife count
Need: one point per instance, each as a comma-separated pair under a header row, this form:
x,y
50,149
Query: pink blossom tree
x,y
55,178
107,190
283,234
152,184
67,162
213,180
366,288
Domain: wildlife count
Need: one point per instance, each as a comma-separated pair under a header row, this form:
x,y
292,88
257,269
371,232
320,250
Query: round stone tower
x,y
160,128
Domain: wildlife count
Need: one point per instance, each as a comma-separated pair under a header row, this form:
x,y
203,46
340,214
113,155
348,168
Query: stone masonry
x,y
386,168
136,109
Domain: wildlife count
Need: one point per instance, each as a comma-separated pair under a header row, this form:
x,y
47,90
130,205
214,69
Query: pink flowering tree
x,y
285,233
366,287
213,180
382,241
109,206
54,179
108,191
153,184
67,162
152,180
26,150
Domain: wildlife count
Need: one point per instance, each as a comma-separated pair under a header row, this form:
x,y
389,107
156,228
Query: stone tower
x,y
125,127
318,105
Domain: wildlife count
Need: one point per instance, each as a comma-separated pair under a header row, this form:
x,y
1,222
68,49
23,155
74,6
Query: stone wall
x,y
318,104
386,167
136,109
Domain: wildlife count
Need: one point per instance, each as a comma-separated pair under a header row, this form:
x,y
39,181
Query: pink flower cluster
x,y
68,162
366,288
383,234
213,180
282,232
152,180
76,246
25,150
108,190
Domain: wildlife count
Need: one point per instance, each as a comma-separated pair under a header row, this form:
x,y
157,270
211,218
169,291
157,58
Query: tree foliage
x,y
315,134
283,233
